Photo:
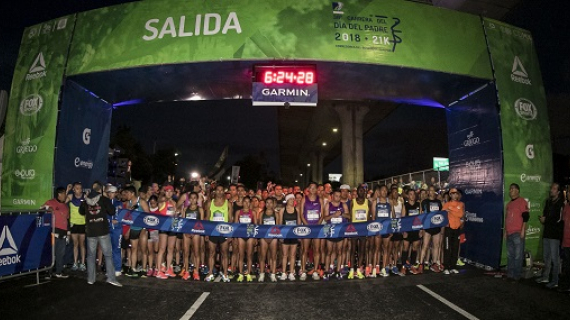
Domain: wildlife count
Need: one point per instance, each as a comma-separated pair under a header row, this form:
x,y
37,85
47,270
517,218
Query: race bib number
x,y
270,222
383,213
414,212
313,215
360,215
291,223
433,207
336,220
244,220
218,217
191,215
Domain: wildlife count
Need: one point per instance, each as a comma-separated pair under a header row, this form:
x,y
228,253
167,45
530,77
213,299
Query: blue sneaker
x,y
395,270
205,270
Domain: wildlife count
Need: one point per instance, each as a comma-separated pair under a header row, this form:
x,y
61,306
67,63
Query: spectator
x,y
517,215
552,220
60,212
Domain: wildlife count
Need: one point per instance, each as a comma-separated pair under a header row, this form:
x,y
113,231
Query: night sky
x,y
200,131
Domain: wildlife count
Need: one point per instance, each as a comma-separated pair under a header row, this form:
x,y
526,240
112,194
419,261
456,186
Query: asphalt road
x,y
468,295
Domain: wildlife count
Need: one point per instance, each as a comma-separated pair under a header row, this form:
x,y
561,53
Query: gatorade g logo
x,y
224,228
437,219
302,231
525,109
151,221
374,227
31,104
87,136
529,151
24,174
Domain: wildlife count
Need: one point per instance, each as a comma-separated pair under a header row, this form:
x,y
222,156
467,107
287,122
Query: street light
x,y
194,175
176,154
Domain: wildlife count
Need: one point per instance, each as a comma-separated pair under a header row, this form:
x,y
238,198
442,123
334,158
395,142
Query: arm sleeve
x,y
525,216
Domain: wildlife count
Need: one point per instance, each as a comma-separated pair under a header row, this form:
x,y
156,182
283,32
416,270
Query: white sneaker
x,y
316,276
454,271
291,276
283,276
225,278
118,273
261,277
209,278
445,271
303,276
272,277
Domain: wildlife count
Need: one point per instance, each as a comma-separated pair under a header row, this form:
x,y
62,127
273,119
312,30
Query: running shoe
x,y
368,271
118,273
310,272
316,276
303,276
181,273
170,272
460,263
177,269
225,278
351,274
115,283
150,272
130,273
248,278
446,272
283,276
186,275
403,270
338,276
272,277
161,275
376,270
455,271
435,268
155,272
204,269
291,276
209,278
552,285
383,272
261,277
82,267
320,272
395,270
326,276
143,274
541,280
75,267
61,276
344,271
240,278
196,275
359,274
415,269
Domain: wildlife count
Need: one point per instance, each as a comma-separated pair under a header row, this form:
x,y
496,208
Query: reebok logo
x,y
518,72
8,249
38,68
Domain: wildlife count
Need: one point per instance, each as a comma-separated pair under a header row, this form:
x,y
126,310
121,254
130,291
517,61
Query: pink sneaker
x,y
150,272
155,272
161,276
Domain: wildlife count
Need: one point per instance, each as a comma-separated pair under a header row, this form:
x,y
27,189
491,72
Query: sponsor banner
x,y
476,169
140,219
31,119
83,137
387,32
525,128
25,243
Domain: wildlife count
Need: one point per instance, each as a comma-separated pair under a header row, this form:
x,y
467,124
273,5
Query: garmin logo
x,y
31,104
472,217
27,202
471,140
224,228
519,73
285,92
38,68
302,231
151,221
24,174
374,227
83,164
473,191
25,147
527,178
210,24
525,109
87,136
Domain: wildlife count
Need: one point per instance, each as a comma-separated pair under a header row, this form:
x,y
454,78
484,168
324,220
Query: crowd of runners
x,y
144,253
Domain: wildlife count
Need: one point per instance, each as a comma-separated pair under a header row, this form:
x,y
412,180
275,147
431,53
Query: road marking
x,y
448,303
218,278
195,306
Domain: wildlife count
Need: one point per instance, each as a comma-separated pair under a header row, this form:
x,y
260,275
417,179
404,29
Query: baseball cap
x,y
111,188
168,187
345,187
289,197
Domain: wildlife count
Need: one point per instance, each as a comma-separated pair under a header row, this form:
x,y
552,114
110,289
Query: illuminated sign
x,y
289,85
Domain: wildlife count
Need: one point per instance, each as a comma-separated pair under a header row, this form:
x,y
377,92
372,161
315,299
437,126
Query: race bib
x,y
218,217
313,215
192,215
360,215
269,221
336,220
291,223
414,212
433,207
244,220
383,213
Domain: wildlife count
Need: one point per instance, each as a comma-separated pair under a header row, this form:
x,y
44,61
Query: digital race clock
x,y
285,85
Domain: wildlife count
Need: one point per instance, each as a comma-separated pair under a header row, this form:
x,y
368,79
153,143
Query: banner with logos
x,y
525,128
25,243
83,137
387,32
236,230
476,170
31,120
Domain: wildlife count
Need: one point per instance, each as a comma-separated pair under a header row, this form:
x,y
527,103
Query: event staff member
x,y
515,226
552,220
455,214
218,210
97,209
60,211
116,230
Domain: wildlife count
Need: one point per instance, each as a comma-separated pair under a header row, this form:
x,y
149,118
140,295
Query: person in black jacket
x,y
552,220
97,210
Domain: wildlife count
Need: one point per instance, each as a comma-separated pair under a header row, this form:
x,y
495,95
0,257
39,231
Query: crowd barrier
x,y
26,243
235,230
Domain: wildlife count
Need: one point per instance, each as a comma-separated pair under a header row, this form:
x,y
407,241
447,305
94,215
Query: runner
x,y
144,195
246,216
188,204
166,239
152,244
312,209
455,214
411,237
77,226
268,217
382,210
234,245
345,198
289,216
218,210
336,212
134,203
398,211
360,212
433,234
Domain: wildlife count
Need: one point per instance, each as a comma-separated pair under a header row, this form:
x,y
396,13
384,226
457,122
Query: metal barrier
x,y
417,179
26,243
